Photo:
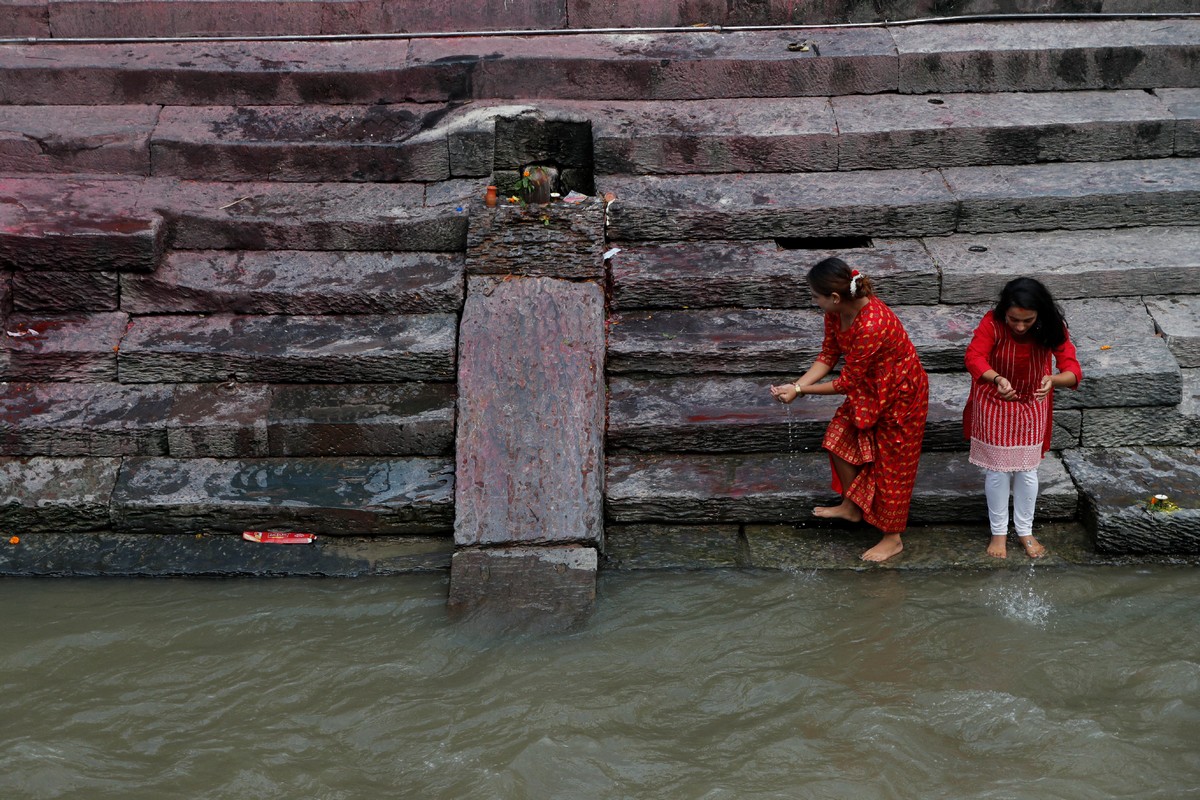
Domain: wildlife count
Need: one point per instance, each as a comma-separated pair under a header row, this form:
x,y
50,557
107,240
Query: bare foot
x,y
998,547
1033,548
888,547
847,511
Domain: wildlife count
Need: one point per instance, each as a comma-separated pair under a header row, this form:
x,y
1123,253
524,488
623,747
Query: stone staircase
x,y
234,272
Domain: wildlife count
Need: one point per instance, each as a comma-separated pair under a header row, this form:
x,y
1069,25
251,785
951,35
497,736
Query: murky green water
x,y
1077,683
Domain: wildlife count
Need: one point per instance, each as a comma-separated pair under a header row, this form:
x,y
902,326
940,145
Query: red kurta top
x,y
881,424
1011,435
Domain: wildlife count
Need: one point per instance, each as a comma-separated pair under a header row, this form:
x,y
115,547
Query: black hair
x,y
1050,329
834,275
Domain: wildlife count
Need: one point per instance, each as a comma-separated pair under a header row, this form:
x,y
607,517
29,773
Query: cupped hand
x,y
784,392
1005,389
1044,388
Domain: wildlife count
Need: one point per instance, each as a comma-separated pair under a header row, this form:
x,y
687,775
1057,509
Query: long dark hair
x,y
833,275
1050,330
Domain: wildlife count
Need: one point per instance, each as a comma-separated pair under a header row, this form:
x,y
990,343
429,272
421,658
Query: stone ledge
x,y
1178,319
1151,426
56,494
61,347
76,139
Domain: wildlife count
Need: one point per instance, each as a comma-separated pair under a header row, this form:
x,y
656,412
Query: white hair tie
x,y
854,276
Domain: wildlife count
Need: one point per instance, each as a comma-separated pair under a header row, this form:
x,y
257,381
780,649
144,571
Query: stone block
x,y
1051,56
283,349
354,419
1185,105
77,224
336,497
55,495
525,588
757,275
1152,426
630,547
87,18
774,488
65,292
296,282
530,412
304,216
76,139
61,347
226,420
1121,262
558,240
1161,191
109,554
1177,317
26,18
542,137
749,206
1124,363
377,143
1116,485
83,419
475,15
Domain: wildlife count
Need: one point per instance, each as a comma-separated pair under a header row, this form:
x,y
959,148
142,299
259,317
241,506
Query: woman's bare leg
x,y
847,510
889,546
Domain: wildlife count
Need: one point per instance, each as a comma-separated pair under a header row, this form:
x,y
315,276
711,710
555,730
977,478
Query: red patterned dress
x,y
1011,435
882,421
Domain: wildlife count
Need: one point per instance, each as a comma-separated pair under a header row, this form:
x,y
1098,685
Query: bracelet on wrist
x,y
799,389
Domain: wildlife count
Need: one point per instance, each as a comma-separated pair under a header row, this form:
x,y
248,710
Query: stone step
x,y
1116,485
988,56
1124,362
736,414
774,488
76,139
893,203
109,19
1177,317
122,224
1153,426
61,347
332,496
230,420
289,349
297,282
1184,105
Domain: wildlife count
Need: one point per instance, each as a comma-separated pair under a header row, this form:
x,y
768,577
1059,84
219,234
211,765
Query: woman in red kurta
x,y
1010,412
874,438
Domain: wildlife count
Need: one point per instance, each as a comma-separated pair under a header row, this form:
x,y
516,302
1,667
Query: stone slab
x,y
77,224
558,240
83,419
307,216
76,139
644,547
61,347
531,412
1136,369
1152,426
1122,262
474,15
1047,56
25,18
86,18
297,282
335,497
766,341
349,419
1116,194
1185,105
55,495
1115,486
764,206
108,554
289,349
526,588
65,292
897,131
227,420
378,143
660,66
775,488
1178,318
760,275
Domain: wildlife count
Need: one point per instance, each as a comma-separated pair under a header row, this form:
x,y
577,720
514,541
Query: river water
x,y
1038,683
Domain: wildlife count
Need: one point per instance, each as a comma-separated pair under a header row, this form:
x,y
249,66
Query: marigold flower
x,y
14,540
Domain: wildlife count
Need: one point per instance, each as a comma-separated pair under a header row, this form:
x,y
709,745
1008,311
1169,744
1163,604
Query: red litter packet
x,y
278,537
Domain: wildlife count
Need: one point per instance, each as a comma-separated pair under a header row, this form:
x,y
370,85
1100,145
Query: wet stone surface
x,y
84,419
56,495
76,139
555,240
1179,320
629,547
65,292
1116,485
61,347
1147,425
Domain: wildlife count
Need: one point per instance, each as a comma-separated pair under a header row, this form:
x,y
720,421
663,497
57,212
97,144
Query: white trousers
x,y
1023,486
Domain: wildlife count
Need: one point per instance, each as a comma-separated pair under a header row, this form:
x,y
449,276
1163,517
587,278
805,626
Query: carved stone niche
x,y
560,147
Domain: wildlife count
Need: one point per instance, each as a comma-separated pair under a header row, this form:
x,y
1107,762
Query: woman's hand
x,y
785,392
1005,389
1044,389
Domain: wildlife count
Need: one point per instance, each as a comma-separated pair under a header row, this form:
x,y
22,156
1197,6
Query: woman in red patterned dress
x,y
1010,412
874,438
